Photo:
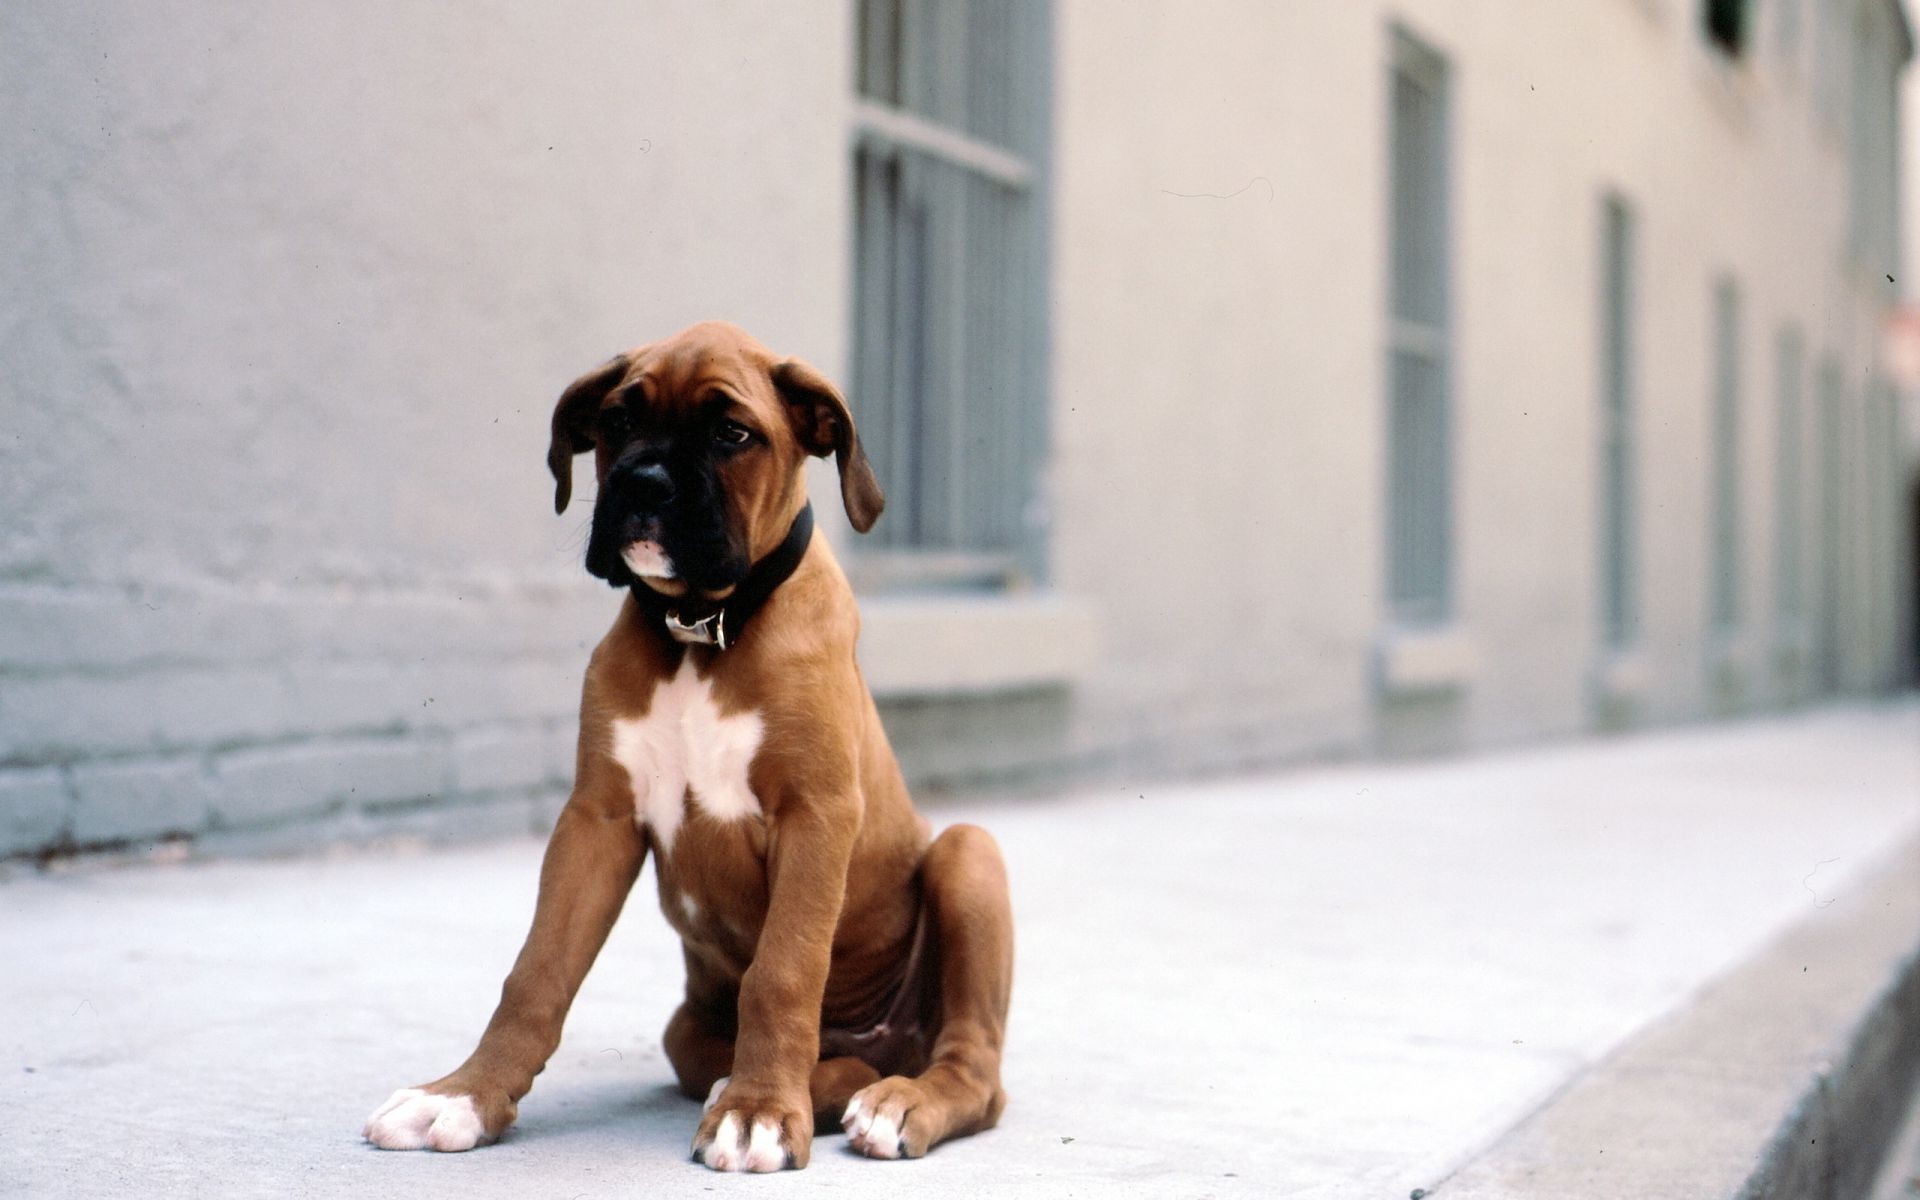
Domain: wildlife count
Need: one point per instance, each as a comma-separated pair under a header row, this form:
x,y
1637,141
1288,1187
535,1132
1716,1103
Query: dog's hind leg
x,y
834,1082
699,1044
965,881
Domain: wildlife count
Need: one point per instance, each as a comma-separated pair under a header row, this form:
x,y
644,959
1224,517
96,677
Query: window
x,y
1726,23
1830,29
1787,28
1725,551
1833,528
1619,606
1420,530
1790,498
1879,528
1872,139
949,280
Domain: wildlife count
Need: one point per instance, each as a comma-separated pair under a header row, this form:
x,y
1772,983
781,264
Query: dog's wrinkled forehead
x,y
717,374
677,377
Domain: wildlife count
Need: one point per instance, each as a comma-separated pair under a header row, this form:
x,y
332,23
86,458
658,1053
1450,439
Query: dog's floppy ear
x,y
573,424
824,425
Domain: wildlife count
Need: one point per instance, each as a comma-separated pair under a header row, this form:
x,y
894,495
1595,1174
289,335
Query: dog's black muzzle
x,y
646,498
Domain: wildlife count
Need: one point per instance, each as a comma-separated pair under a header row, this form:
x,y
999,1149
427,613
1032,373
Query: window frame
x,y
1725,544
908,357
1791,379
1872,100
1420,530
1618,533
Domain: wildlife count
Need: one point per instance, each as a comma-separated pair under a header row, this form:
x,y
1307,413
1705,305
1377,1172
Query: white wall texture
x,y
286,296
1220,362
286,293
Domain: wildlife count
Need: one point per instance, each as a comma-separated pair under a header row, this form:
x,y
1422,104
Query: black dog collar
x,y
719,622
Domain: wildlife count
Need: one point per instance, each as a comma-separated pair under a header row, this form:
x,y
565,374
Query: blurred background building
x,y
1251,382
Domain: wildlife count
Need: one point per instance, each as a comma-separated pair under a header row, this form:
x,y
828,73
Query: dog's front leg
x,y
763,1118
591,862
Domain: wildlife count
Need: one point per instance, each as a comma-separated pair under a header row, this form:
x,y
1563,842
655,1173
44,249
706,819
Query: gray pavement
x,y
1329,983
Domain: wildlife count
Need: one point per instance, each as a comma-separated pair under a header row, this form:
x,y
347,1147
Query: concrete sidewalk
x,y
1342,982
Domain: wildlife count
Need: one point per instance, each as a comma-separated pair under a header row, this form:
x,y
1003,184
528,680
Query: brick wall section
x,y
34,808
127,718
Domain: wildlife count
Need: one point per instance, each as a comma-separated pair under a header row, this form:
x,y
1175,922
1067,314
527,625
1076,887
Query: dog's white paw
x,y
736,1149
897,1118
413,1119
753,1129
871,1128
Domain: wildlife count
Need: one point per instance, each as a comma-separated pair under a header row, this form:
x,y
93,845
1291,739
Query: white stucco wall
x,y
1220,361
1215,368
288,291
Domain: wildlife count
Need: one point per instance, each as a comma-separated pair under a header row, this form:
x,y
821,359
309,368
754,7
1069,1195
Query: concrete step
x,y
1899,1177
1786,1079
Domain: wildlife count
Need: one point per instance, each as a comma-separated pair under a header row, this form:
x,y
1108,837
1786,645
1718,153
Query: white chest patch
x,y
685,747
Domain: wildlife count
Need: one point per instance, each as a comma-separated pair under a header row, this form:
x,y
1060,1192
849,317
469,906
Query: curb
x,y
1785,1079
1834,1140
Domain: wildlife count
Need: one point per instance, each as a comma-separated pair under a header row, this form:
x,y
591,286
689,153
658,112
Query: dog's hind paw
x,y
874,1126
904,1118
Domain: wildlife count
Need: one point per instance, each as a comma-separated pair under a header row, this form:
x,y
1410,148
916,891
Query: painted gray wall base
x,y
964,741
34,803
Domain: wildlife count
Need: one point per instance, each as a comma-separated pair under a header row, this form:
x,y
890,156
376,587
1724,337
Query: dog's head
x,y
699,443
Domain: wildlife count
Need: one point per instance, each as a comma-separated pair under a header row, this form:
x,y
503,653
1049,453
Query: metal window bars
x,y
948,383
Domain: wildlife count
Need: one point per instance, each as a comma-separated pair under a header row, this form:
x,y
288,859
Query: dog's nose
x,y
647,483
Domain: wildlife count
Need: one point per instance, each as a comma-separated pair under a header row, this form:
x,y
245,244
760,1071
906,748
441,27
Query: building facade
x,y
1252,383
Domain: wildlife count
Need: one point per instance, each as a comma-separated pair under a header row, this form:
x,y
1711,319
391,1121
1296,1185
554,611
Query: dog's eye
x,y
732,433
615,424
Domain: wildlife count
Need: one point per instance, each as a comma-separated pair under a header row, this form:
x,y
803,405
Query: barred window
x,y
1832,57
1873,139
949,284
1419,349
1790,458
1619,599
1725,549
1787,29
1834,528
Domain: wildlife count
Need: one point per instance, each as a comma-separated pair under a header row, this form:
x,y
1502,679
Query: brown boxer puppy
x,y
841,964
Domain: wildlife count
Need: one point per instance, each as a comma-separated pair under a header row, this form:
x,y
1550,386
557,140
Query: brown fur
x,y
806,913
